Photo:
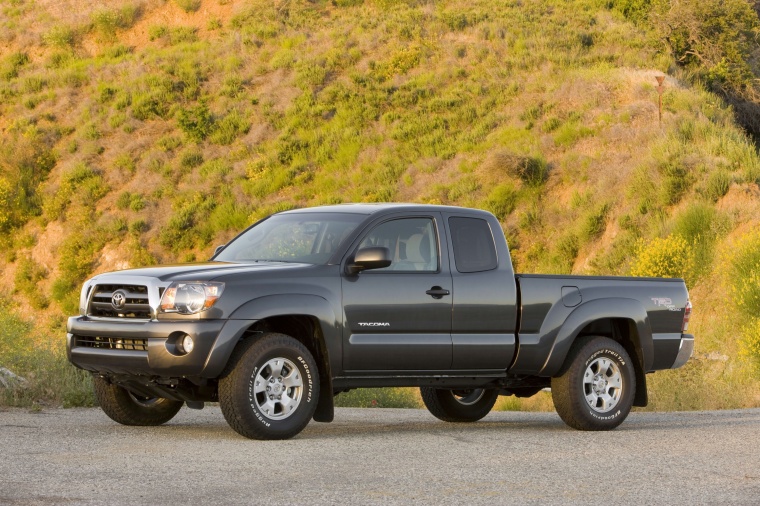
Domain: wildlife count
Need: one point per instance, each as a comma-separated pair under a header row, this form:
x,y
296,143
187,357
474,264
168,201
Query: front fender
x,y
330,347
599,309
278,305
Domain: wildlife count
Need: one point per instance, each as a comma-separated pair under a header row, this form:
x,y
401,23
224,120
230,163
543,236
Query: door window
x,y
411,241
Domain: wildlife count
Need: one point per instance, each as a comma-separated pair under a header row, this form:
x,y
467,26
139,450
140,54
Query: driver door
x,y
391,321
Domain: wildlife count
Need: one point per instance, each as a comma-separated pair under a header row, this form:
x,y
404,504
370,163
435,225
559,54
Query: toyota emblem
x,y
119,299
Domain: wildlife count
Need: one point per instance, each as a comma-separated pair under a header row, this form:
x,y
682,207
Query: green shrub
x,y
8,204
230,128
675,181
10,65
185,229
28,276
232,87
742,257
125,162
501,200
76,259
191,159
189,5
123,201
150,105
566,251
380,398
117,51
571,132
41,360
551,124
718,184
531,170
25,162
157,32
217,167
34,84
138,227
60,36
530,219
594,222
461,189
169,143
196,122
133,201
90,132
105,22
183,34
82,184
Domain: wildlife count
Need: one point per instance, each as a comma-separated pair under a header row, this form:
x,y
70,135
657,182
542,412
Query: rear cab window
x,y
473,244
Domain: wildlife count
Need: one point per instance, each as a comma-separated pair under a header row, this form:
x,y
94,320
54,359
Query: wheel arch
x,y
622,320
307,318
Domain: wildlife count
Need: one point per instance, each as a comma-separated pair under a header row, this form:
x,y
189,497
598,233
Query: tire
x,y
126,408
261,374
598,385
459,405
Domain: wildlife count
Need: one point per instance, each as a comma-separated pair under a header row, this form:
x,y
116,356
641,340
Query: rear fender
x,y
599,309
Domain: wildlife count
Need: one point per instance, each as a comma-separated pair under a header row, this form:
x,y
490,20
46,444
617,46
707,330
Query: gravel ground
x,y
381,456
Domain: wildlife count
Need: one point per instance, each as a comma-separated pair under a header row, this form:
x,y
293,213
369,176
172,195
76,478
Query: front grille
x,y
120,301
112,343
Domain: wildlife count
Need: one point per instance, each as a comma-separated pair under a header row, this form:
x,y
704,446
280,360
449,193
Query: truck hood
x,y
206,271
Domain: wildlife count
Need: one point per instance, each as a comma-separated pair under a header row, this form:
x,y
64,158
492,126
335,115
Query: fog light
x,y
185,344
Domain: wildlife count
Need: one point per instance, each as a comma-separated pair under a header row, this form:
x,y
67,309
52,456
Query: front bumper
x,y
156,355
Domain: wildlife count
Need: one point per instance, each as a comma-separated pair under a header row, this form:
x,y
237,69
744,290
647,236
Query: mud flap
x,y
325,407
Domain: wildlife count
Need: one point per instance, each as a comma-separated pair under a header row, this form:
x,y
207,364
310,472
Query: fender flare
x,y
598,309
285,305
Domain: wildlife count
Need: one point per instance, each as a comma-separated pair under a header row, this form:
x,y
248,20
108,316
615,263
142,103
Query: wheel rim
x,y
468,397
602,385
277,389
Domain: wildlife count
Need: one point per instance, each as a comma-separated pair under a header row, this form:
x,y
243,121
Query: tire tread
x,y
119,406
233,380
441,404
570,407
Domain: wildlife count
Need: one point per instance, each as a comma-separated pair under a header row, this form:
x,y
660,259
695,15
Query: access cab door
x,y
484,317
391,321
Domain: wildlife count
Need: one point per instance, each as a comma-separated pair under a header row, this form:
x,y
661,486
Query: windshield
x,y
294,237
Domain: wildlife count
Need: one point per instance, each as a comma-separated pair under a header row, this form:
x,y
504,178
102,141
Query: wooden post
x,y
660,89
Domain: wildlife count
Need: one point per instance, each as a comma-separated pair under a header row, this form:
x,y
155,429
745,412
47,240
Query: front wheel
x,y
126,408
596,390
468,405
270,388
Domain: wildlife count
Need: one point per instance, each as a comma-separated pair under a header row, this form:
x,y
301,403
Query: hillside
x,y
152,131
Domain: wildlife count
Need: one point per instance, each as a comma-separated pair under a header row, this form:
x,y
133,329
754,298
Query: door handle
x,y
437,292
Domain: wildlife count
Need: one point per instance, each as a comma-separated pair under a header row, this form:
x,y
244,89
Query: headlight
x,y
190,298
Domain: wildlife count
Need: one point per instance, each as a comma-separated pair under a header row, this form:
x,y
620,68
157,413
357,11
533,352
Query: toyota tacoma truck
x,y
309,303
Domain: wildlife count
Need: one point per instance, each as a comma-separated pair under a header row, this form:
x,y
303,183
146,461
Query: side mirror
x,y
218,250
370,258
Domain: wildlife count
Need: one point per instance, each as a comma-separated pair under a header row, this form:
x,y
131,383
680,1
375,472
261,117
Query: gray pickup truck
x,y
309,303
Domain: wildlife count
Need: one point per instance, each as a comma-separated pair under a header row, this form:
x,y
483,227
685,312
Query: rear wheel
x,y
463,405
596,390
270,388
128,408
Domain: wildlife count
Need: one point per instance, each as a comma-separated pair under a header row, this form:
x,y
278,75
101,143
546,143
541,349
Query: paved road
x,y
381,456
